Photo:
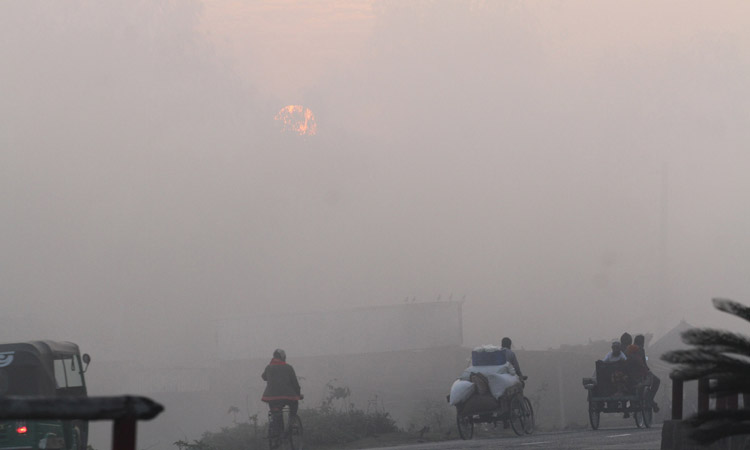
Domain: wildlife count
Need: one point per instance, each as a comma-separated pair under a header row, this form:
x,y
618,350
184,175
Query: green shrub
x,y
241,436
324,425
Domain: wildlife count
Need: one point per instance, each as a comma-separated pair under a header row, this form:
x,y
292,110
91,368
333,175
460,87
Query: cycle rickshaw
x,y
511,408
613,390
489,391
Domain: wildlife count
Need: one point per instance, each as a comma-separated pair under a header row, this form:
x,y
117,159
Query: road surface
x,y
630,438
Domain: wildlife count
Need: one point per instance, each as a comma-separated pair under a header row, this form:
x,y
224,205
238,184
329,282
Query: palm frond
x,y
722,357
723,341
700,356
732,307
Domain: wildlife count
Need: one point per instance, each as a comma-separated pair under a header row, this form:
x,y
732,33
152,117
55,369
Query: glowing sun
x,y
297,119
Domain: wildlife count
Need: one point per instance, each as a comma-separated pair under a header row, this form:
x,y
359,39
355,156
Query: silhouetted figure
x,y
625,340
616,354
510,357
282,387
641,368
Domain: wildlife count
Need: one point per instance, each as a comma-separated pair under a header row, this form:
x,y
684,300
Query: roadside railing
x,y
723,402
124,411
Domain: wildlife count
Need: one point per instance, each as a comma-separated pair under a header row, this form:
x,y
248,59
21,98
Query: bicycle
x,y
290,437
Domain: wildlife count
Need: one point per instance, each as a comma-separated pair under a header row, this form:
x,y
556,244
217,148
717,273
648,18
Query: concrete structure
x,y
409,326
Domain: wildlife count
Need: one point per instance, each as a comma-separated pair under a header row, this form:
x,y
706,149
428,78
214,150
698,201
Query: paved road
x,y
608,439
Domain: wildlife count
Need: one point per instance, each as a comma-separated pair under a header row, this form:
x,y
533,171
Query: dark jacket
x,y
636,362
281,381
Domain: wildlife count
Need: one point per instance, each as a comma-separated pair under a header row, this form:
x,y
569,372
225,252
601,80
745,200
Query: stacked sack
x,y
488,361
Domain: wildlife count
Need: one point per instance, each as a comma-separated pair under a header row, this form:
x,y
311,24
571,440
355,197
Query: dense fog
x,y
569,170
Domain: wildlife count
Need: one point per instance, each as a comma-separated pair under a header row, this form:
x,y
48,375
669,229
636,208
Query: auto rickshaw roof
x,y
42,348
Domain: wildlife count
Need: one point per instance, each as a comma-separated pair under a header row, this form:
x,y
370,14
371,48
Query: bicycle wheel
x,y
295,436
517,414
528,422
465,426
275,426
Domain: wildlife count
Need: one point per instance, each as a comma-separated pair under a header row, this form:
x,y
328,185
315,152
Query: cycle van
x,y
489,391
615,390
43,369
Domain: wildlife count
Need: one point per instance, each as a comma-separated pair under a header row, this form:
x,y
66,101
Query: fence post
x,y
721,402
733,401
703,384
123,434
676,399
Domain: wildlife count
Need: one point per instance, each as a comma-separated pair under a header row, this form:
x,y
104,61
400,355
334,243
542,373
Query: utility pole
x,y
663,294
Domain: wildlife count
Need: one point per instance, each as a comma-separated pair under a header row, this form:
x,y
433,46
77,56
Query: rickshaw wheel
x,y
648,416
639,419
594,418
517,414
648,413
528,424
465,426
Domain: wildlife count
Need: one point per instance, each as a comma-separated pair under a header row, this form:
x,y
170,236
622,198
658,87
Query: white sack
x,y
500,377
486,370
499,382
460,391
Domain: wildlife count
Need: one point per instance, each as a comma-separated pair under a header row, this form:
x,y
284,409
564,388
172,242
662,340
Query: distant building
x,y
672,340
411,326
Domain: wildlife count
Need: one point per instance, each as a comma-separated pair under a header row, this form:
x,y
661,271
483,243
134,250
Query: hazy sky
x,y
574,169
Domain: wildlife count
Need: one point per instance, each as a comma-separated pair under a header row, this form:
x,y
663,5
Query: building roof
x,y
672,340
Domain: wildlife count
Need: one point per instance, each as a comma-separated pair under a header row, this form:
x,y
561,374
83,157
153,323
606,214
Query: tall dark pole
x,y
663,294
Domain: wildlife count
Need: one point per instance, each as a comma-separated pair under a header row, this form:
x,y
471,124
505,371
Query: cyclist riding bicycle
x,y
282,387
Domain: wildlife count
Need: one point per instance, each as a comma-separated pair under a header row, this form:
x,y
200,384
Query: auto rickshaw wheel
x,y
465,426
78,440
517,414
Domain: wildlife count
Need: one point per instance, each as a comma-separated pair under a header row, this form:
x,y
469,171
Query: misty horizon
x,y
569,168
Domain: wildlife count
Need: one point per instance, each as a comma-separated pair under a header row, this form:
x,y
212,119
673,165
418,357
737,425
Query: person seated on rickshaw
x,y
616,354
626,340
618,378
640,370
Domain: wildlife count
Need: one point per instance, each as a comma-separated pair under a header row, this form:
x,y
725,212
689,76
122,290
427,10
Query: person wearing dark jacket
x,y
640,342
282,386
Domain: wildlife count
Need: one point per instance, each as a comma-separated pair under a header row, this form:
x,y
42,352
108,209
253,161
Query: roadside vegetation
x,y
335,423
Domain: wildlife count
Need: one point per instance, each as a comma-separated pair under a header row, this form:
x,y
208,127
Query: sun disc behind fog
x,y
297,119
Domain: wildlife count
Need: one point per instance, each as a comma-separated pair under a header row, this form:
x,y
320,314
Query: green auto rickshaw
x,y
46,369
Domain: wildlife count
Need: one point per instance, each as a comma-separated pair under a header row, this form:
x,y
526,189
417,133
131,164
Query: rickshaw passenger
x,y
625,340
616,354
636,362
648,376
